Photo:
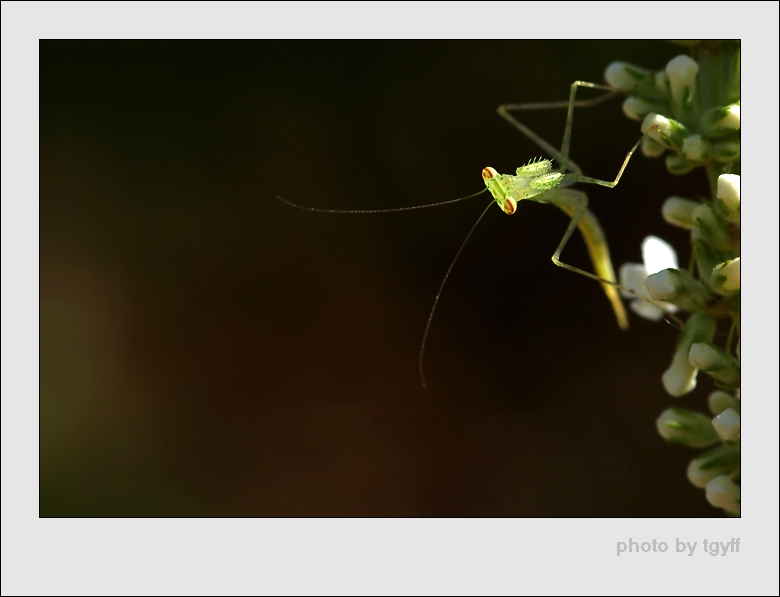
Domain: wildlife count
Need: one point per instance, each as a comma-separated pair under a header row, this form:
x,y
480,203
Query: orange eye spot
x,y
488,173
510,205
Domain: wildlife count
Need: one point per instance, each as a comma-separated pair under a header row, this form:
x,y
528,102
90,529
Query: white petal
x,y
658,255
646,310
632,275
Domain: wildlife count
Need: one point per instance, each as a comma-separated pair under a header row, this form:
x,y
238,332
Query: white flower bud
x,y
662,83
680,377
682,72
624,76
722,492
654,125
731,120
678,165
678,287
720,121
651,149
726,278
702,355
713,463
666,131
681,426
714,361
679,212
696,148
713,226
637,108
725,150
718,401
663,285
727,424
728,196
707,258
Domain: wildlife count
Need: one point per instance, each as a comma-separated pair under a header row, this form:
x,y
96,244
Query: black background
x,y
209,350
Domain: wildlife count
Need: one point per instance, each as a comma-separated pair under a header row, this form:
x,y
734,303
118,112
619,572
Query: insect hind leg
x,y
575,204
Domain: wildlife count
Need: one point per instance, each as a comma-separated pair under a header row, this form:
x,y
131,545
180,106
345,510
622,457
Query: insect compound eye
x,y
488,173
509,206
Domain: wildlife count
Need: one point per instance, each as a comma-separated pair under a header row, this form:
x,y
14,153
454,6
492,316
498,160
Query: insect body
x,y
531,180
537,181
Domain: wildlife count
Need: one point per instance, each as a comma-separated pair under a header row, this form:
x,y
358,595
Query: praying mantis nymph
x,y
537,181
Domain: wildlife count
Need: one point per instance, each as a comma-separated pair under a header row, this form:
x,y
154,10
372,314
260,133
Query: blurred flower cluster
x,y
690,112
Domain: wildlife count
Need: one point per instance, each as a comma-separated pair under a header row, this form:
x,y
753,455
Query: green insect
x,y
538,181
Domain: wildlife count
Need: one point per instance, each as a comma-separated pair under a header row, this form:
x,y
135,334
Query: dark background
x,y
209,350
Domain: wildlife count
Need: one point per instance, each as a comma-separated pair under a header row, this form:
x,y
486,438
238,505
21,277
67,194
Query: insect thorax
x,y
526,186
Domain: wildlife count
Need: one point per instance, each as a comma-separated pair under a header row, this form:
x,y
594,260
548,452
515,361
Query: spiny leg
x,y
563,155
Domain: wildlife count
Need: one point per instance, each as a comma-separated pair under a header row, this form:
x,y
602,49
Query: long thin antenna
x,y
375,211
438,294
